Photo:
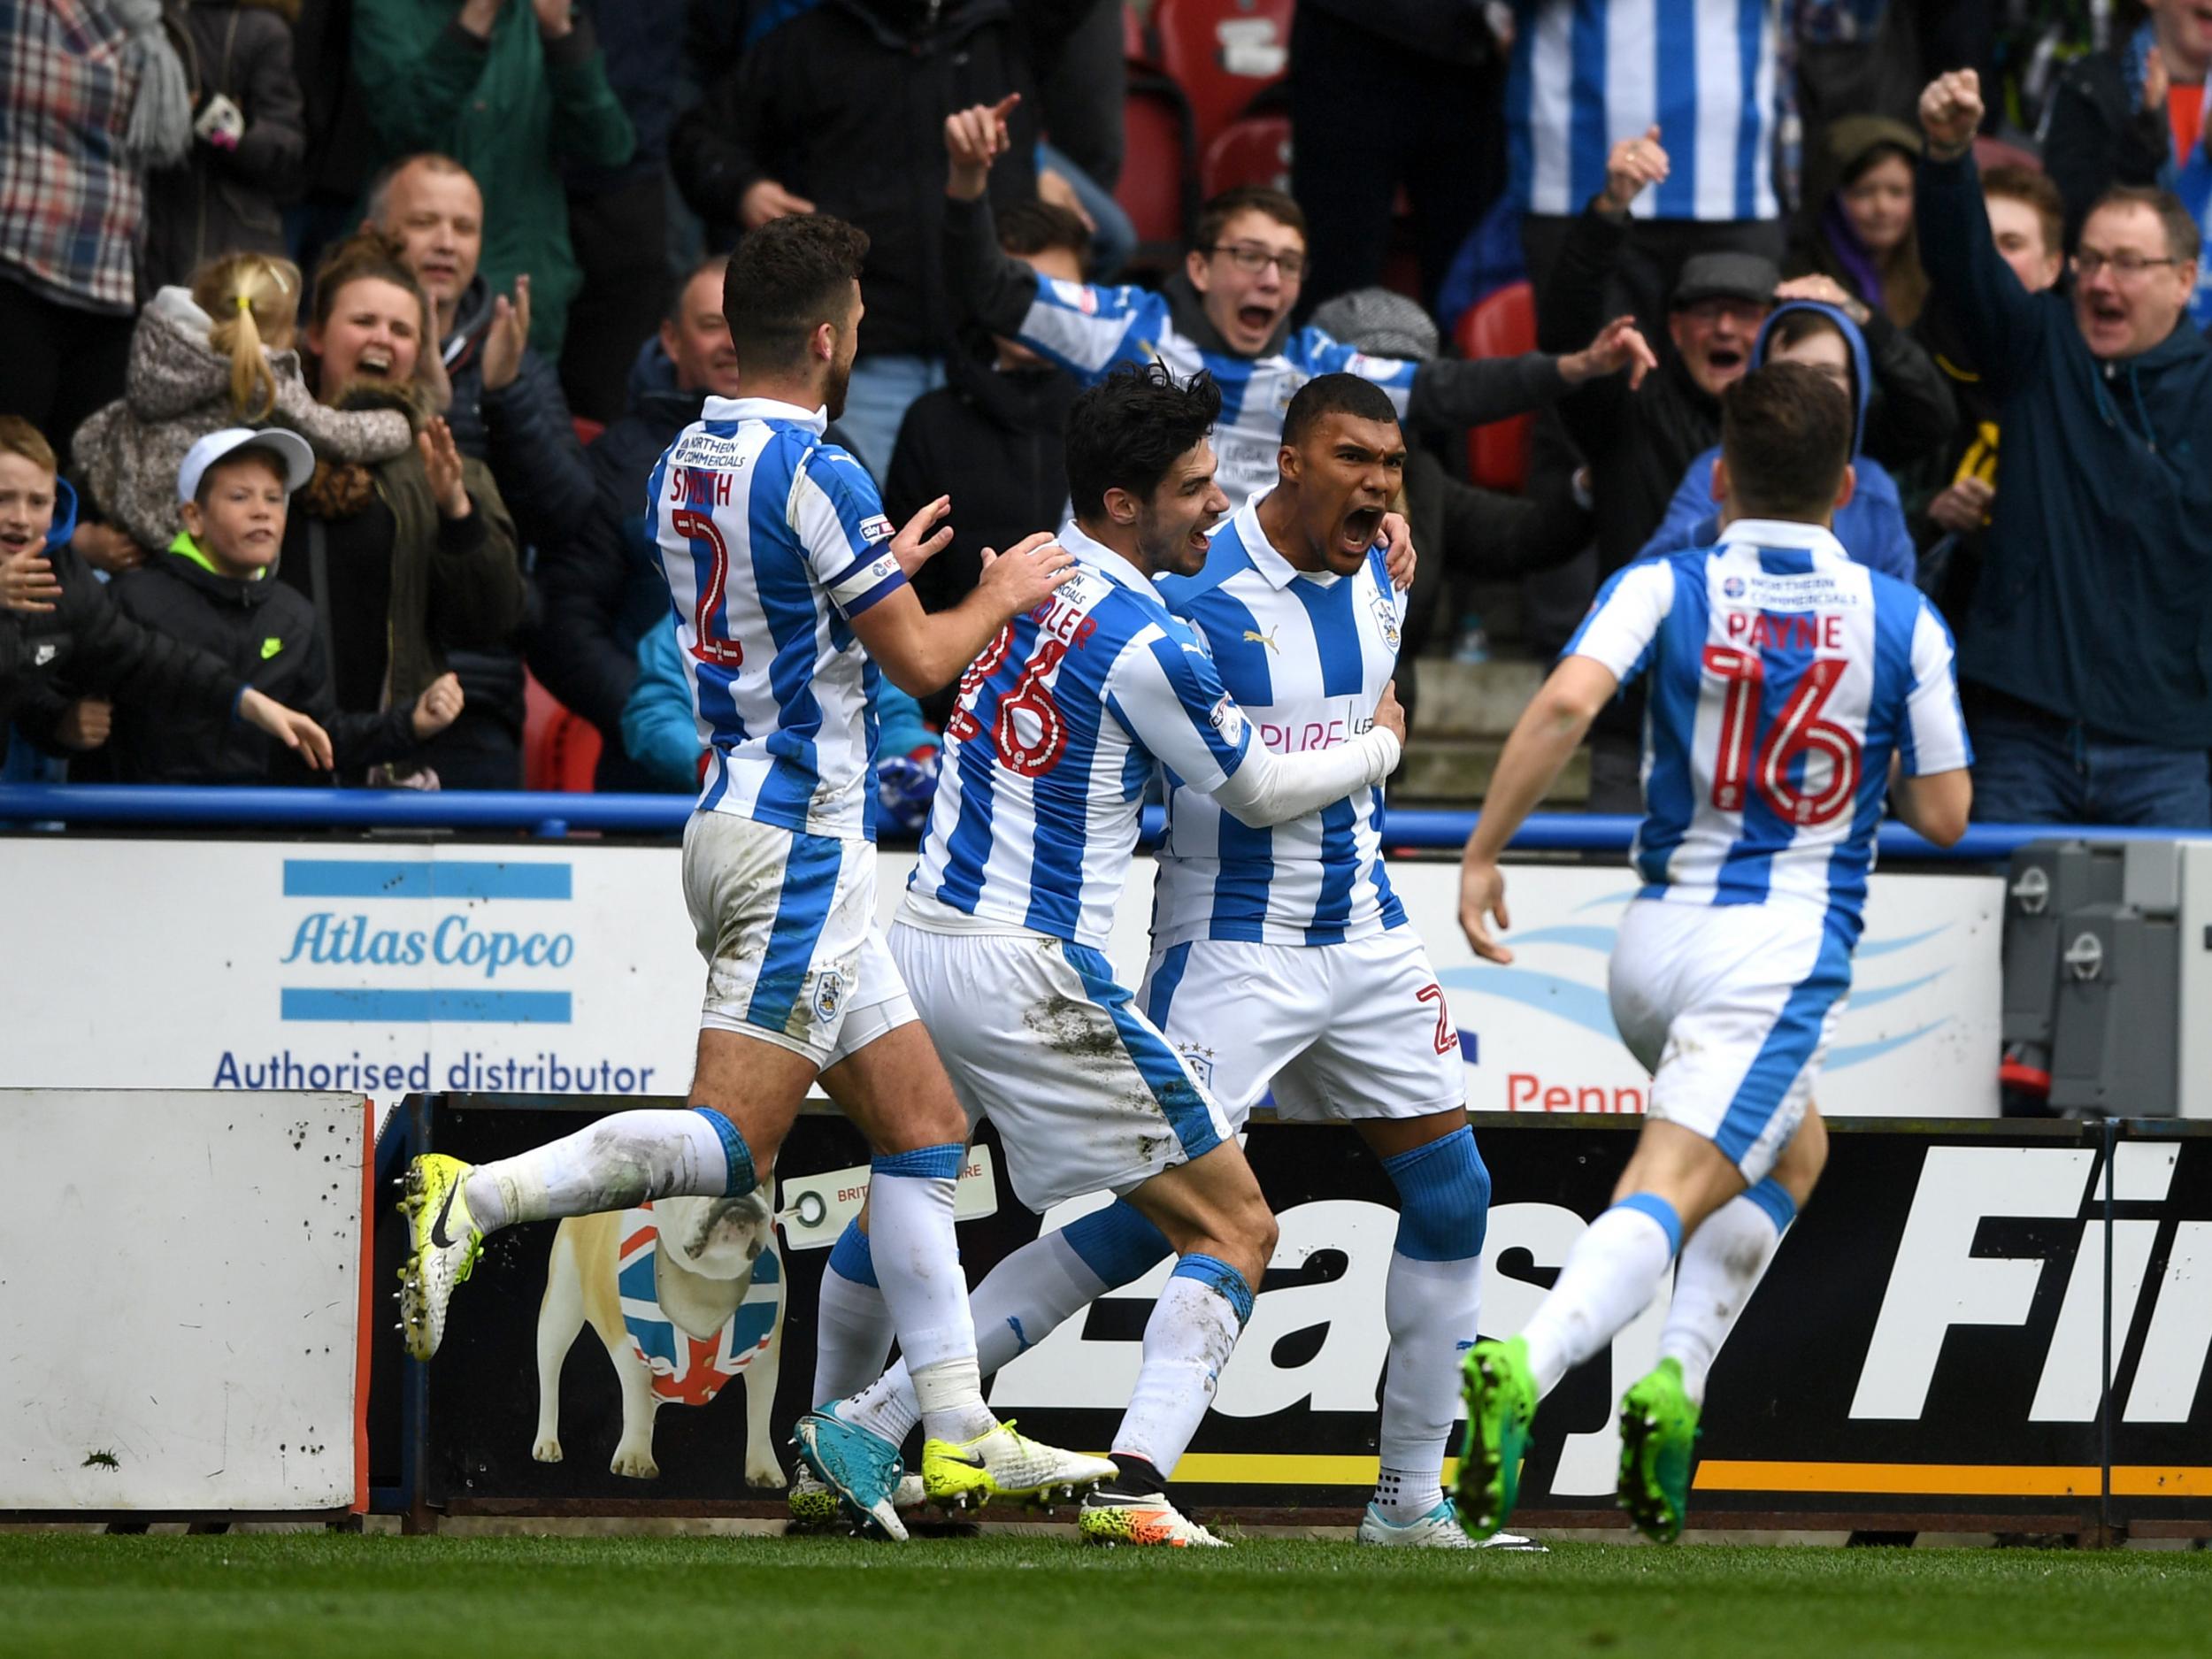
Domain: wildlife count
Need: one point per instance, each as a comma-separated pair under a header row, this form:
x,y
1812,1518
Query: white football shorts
x,y
1730,1007
1086,1094
786,922
1341,1033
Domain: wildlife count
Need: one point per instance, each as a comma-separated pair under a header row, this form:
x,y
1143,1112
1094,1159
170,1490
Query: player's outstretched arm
x,y
1549,730
1267,788
1935,804
921,652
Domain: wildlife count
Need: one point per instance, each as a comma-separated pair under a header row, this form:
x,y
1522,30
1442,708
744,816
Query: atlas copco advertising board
x,y
1926,1351
415,968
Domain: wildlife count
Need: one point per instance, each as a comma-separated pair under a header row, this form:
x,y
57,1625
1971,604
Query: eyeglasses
x,y
1246,258
2126,265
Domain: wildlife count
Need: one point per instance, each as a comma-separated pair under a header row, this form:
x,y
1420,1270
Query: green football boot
x,y
1658,1450
1500,1390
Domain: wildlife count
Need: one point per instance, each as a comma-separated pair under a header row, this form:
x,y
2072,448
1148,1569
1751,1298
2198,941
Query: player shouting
x,y
1060,726
1227,311
781,567
1790,690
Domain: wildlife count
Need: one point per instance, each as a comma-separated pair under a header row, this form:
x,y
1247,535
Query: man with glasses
x,y
2084,656
1227,311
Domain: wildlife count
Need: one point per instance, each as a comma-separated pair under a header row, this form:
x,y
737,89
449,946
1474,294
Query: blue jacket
x,y
2096,601
661,736
1871,526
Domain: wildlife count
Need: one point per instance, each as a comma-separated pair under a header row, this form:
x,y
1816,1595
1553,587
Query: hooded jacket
x,y
263,632
1825,241
224,201
1870,526
599,585
1639,444
845,105
2095,604
176,391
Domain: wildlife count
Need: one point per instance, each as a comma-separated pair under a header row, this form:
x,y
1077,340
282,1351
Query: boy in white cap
x,y
211,588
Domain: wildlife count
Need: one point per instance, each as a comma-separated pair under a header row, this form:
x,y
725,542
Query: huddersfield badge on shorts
x,y
1200,1061
1386,608
829,993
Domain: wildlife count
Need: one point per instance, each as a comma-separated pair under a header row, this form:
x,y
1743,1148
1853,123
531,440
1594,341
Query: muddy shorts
x,y
787,923
1038,1037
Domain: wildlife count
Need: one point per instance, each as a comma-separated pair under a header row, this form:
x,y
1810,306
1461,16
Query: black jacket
x,y
265,633
599,587
845,105
88,646
2098,135
523,431
2096,601
224,201
525,435
1639,444
996,443
1442,31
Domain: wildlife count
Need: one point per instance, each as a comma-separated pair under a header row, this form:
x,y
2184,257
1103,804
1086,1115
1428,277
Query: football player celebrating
x,y
1791,691
1227,311
790,597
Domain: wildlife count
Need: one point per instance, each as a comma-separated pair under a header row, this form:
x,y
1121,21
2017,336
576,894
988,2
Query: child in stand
x,y
213,588
216,356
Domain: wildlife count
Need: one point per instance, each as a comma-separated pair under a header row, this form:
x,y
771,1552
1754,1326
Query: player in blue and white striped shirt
x,y
1790,690
1282,959
1226,312
1586,73
1061,725
781,568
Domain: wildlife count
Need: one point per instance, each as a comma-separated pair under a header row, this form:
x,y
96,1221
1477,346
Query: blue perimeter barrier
x,y
553,816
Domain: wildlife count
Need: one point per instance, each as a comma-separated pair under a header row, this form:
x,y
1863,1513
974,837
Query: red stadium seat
x,y
1223,54
1253,150
1156,169
1503,325
560,750
1135,48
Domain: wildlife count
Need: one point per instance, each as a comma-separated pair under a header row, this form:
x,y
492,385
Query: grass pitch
x,y
485,1598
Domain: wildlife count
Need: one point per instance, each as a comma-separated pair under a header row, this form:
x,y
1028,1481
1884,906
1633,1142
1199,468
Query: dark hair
x,y
1869,158
2184,240
372,256
787,280
1791,327
261,455
1127,431
1214,217
1335,395
672,313
1032,228
2035,187
1786,434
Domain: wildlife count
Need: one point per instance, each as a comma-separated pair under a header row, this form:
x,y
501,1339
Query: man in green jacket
x,y
510,90
2086,659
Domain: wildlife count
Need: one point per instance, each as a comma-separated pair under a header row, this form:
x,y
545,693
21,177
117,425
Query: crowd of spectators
x,y
341,337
